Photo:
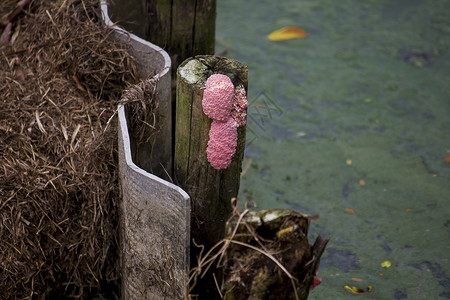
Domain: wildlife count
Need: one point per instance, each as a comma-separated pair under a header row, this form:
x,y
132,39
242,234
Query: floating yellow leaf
x,y
348,161
408,210
356,290
386,264
352,289
286,33
350,211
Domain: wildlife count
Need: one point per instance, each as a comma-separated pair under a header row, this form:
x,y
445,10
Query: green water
x,y
364,96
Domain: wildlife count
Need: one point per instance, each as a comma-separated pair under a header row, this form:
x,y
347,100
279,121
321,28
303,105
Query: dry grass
x,y
60,80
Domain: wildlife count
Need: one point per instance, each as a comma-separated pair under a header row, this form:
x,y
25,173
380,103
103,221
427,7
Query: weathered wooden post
x,y
182,28
210,190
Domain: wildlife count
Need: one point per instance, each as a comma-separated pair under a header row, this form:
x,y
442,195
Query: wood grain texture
x,y
184,28
210,190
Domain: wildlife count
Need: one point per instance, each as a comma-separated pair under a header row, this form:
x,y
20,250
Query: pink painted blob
x,y
227,107
218,97
222,143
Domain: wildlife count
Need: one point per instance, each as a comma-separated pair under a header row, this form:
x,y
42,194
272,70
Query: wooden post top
x,y
196,70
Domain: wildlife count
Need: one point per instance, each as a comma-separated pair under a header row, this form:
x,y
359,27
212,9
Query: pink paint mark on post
x,y
222,143
227,107
218,97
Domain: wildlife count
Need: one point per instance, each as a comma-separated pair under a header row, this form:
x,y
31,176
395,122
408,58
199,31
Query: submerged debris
x,y
265,255
270,257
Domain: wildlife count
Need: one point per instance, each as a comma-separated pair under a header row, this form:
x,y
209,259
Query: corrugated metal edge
x,y
138,286
155,229
129,160
109,23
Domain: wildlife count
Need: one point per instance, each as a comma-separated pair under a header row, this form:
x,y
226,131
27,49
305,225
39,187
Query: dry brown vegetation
x,y
60,80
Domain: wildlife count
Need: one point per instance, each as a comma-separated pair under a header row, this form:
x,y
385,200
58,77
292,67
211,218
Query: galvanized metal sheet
x,y
154,214
155,220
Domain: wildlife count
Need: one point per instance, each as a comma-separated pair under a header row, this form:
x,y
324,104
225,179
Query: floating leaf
x,y
386,264
286,33
362,182
352,289
357,279
348,161
356,290
447,158
408,210
350,211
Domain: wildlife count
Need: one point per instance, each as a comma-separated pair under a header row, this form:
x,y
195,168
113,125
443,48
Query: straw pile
x,y
60,80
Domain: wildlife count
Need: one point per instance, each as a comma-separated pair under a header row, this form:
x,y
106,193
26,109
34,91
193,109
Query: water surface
x,y
354,116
